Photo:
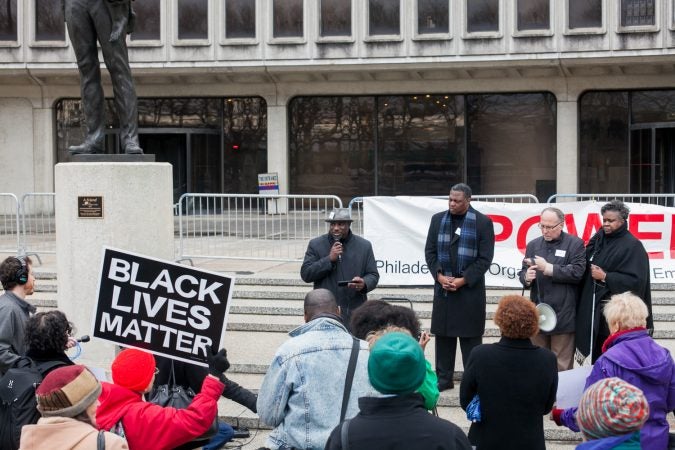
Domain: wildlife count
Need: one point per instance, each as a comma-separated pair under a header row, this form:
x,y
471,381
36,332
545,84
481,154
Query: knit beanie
x,y
396,364
133,369
67,391
611,407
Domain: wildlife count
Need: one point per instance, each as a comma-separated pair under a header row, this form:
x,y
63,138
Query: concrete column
x,y
44,151
277,142
567,172
137,217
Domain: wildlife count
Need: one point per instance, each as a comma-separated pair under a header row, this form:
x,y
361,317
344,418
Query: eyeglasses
x,y
549,228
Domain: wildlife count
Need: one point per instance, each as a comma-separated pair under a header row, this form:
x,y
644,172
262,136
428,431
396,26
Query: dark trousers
x,y
446,348
89,21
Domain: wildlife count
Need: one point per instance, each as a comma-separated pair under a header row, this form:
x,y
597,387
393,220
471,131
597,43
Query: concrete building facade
x,y
364,97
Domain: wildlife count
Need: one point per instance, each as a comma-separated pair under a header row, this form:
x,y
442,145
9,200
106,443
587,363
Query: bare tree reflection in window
x,y
49,21
482,15
147,27
8,20
287,18
584,14
432,16
336,18
534,15
637,13
239,19
384,17
193,20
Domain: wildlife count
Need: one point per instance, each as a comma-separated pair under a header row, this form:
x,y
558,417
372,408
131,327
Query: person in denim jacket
x,y
301,394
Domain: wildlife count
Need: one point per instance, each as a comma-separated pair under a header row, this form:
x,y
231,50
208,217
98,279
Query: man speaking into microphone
x,y
341,262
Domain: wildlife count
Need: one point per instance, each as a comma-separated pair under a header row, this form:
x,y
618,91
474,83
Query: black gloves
x,y
218,362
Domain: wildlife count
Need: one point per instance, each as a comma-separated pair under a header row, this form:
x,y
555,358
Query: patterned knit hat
x,y
133,369
396,364
67,391
611,407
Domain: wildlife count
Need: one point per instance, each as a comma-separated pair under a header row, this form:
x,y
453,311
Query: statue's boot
x,y
131,147
88,147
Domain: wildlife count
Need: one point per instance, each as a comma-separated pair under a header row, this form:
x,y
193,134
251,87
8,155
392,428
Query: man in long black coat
x,y
458,252
617,263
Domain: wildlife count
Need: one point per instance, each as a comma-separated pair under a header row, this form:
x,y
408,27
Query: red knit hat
x,y
67,391
133,369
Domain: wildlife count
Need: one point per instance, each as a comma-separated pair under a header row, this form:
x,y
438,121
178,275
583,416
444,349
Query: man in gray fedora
x,y
341,262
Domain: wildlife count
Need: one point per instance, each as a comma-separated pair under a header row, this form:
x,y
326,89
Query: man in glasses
x,y
553,267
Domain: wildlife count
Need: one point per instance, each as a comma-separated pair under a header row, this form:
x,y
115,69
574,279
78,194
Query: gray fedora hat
x,y
340,215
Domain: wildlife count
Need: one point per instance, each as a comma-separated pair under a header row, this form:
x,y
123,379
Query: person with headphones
x,y
16,275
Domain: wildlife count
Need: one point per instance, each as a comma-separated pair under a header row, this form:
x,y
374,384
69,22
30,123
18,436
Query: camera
x,y
529,262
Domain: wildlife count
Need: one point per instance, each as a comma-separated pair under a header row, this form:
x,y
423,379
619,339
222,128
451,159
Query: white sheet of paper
x,y
570,386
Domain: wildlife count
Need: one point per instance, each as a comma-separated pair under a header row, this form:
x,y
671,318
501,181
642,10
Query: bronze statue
x,y
108,22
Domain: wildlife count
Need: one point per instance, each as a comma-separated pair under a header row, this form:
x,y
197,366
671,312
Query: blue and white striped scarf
x,y
467,247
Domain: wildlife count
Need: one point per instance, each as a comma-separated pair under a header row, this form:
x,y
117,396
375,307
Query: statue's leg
x,y
116,60
83,38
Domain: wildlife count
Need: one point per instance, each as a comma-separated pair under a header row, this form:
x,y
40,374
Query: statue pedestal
x,y
128,206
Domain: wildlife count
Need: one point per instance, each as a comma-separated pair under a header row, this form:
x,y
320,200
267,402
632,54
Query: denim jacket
x,y
301,394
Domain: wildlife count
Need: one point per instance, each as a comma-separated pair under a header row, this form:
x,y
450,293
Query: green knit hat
x,y
396,364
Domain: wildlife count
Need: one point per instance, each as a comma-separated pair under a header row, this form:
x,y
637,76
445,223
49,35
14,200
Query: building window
x,y
584,14
193,19
287,18
8,20
336,18
534,15
433,16
49,21
636,13
384,17
239,19
482,16
147,27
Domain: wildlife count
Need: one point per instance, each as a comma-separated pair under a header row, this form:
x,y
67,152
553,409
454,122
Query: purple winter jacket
x,y
636,358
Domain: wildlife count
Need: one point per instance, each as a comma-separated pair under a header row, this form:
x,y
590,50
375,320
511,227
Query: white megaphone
x,y
547,317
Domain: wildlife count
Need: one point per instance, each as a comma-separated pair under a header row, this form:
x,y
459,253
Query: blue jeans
x,y
224,435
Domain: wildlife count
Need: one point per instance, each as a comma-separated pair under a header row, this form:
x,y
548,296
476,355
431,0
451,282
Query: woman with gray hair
x,y
616,262
631,354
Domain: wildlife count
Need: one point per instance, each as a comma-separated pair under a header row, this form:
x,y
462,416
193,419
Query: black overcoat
x,y
461,313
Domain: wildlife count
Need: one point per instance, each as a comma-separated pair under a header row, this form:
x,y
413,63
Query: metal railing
x,y
38,223
10,231
250,226
653,199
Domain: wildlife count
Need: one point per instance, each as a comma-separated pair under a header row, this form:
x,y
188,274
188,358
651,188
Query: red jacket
x,y
151,427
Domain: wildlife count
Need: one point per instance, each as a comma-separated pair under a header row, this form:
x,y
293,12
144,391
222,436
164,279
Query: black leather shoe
x,y
446,385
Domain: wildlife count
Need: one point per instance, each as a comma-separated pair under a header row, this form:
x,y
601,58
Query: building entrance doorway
x,y
195,158
652,158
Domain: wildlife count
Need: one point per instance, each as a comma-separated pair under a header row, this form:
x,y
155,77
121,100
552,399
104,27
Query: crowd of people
x,y
354,374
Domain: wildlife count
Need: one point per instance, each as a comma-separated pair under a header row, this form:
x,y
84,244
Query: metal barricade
x,y
653,199
250,226
38,223
10,239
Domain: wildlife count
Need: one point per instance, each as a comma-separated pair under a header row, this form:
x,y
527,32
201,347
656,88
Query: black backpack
x,y
18,406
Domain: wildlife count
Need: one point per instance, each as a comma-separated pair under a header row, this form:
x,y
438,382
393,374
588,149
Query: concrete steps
x,y
265,309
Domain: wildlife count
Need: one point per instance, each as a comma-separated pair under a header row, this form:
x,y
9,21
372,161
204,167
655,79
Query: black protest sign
x,y
160,306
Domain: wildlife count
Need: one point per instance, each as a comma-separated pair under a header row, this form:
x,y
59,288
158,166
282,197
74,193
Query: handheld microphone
x,y
337,239
84,338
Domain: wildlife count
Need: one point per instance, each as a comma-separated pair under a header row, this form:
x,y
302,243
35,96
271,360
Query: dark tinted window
x,y
193,20
288,18
147,25
336,18
8,20
384,17
239,19
637,12
585,14
482,15
534,15
653,106
432,16
49,24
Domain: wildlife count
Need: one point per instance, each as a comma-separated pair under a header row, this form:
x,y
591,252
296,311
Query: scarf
x,y
467,248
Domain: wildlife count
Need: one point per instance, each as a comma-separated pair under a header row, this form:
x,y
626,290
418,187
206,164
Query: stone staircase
x,y
265,307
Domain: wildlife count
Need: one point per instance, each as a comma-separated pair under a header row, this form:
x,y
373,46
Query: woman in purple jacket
x,y
631,354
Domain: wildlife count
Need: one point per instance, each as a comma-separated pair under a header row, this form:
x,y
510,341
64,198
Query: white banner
x,y
397,227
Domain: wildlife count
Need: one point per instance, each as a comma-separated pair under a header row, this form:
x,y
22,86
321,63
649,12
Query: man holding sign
x,y
458,252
